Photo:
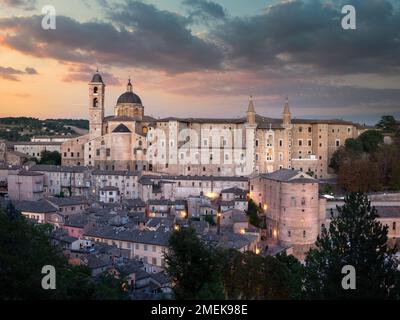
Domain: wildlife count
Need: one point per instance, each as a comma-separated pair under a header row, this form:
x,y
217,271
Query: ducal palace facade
x,y
130,140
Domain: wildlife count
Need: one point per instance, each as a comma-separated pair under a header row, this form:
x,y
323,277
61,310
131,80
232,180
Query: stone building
x,y
35,149
130,140
66,180
293,210
3,150
26,185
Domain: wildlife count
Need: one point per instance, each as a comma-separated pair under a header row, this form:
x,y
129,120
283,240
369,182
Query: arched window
x,y
95,103
145,130
293,201
95,90
303,201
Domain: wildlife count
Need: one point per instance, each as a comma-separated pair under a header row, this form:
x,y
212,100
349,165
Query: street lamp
x,y
219,221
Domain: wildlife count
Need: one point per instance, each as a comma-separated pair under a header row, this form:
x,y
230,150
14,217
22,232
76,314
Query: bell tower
x,y
287,116
96,106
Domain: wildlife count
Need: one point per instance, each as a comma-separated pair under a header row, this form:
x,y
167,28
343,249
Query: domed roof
x,y
129,97
97,78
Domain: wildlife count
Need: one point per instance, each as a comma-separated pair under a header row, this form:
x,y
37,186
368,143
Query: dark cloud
x,y
204,10
12,74
142,36
30,71
23,4
301,32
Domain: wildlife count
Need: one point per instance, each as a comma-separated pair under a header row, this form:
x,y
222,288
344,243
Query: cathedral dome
x,y
129,96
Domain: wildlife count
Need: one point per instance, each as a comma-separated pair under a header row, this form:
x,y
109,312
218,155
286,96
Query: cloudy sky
x,y
203,58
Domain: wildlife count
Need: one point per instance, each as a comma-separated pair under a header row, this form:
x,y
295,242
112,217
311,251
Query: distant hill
x,y
24,128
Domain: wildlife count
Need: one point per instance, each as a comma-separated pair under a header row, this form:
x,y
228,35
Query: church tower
x,y
287,136
250,133
251,113
287,116
96,106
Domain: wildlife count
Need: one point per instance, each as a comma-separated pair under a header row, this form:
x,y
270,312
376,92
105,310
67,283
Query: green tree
x,y
194,267
354,238
354,145
253,213
339,157
387,124
296,273
210,219
370,140
50,157
276,279
24,250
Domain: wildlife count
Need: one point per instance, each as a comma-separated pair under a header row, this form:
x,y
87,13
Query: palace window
x,y
95,103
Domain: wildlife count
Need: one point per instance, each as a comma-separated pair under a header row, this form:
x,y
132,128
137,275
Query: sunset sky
x,y
203,58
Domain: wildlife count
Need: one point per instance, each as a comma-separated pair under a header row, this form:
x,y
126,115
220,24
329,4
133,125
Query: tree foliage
x,y
387,123
200,271
50,158
194,267
253,214
370,140
354,238
367,164
24,250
